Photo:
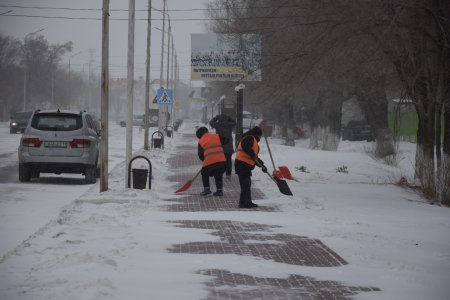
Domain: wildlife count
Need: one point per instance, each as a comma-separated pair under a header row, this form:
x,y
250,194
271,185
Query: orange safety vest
x,y
212,149
243,156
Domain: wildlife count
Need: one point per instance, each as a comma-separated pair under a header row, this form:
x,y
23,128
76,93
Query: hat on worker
x,y
201,131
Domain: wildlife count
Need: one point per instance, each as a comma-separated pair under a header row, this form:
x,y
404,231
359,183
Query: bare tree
x,y
9,72
301,38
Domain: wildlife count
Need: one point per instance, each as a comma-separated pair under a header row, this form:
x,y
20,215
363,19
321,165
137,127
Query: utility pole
x,y
70,57
175,67
173,86
147,73
168,69
25,66
168,57
90,76
130,77
105,99
161,114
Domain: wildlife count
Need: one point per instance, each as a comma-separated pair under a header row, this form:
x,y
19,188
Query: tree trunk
x,y
314,138
373,100
425,171
444,184
290,124
330,139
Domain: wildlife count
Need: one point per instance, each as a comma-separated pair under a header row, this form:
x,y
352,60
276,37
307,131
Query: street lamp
x,y
53,57
79,52
24,49
163,11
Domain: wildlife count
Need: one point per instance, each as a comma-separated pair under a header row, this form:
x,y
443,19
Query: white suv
x,y
60,142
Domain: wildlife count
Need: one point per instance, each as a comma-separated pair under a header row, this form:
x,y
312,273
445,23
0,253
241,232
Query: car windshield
x,y
56,122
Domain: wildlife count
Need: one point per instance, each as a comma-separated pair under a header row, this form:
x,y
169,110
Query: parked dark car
x,y
19,121
357,131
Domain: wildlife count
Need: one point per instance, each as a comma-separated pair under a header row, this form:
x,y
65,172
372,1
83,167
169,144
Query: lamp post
x,y
24,49
53,68
70,57
160,118
147,74
163,11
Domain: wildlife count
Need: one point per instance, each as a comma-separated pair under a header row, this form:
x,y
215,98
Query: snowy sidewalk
x,y
152,244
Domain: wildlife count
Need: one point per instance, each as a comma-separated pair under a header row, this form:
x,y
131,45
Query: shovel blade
x,y
184,187
277,174
286,173
283,187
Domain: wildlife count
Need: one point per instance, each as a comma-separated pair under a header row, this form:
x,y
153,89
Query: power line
x,y
143,10
145,19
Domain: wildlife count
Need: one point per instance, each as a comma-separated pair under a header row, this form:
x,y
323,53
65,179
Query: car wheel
x,y
24,173
89,174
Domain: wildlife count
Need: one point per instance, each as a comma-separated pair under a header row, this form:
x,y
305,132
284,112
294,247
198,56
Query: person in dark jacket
x,y
245,161
224,126
211,153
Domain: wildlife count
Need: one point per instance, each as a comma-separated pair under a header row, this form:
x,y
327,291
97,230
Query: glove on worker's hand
x,y
264,168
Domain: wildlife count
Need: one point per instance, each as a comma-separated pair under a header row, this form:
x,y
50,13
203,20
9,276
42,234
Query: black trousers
x,y
245,182
229,165
218,178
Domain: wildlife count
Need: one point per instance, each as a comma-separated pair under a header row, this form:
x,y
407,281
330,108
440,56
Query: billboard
x,y
225,57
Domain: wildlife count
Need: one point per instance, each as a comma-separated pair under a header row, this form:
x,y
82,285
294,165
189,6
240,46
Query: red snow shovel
x,y
283,171
282,184
188,184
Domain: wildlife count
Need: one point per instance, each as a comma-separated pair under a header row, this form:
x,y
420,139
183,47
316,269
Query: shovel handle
x,y
271,177
270,152
196,175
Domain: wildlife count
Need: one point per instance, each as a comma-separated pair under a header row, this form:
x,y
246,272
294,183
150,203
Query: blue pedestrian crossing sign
x,y
164,96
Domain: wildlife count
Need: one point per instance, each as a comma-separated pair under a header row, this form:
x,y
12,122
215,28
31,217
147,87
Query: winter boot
x,y
206,191
218,193
248,205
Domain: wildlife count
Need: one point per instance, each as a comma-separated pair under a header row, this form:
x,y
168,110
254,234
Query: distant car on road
x,y
138,119
60,142
357,131
19,121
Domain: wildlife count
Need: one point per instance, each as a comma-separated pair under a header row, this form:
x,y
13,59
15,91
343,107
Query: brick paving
x,y
248,239
240,238
182,165
227,285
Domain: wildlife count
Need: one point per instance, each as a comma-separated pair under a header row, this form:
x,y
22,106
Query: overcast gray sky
x,y
86,33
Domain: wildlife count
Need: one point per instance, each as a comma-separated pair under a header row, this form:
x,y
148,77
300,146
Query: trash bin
x,y
158,142
169,131
140,175
139,178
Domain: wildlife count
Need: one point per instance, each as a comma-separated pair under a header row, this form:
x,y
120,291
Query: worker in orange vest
x,y
245,161
211,153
